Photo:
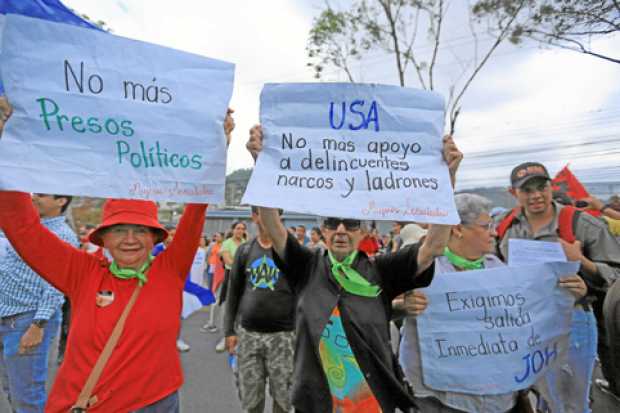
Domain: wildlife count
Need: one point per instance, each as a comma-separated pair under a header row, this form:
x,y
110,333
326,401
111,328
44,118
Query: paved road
x,y
208,381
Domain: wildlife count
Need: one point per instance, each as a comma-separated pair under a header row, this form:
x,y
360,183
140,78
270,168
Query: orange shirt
x,y
214,258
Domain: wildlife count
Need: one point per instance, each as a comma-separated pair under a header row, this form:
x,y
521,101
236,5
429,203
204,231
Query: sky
x,y
527,104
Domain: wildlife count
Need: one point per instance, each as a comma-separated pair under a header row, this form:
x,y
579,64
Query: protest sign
x,y
494,331
100,115
352,150
527,252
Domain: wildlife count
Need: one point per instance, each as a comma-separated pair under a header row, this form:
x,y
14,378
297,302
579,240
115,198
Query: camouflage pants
x,y
261,356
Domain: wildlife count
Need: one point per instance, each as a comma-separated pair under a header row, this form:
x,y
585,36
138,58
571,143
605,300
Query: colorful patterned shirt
x,y
349,389
21,289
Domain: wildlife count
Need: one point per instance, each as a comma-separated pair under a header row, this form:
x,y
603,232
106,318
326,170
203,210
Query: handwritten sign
x,y
353,150
527,252
101,115
501,328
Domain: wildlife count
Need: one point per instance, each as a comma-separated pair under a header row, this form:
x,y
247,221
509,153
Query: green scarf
x,y
128,273
351,280
463,263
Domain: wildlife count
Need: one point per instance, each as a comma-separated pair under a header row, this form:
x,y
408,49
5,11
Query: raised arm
x,y
180,253
438,235
270,216
276,230
59,263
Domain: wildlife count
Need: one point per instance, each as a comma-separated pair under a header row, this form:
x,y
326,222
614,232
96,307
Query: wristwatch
x,y
39,323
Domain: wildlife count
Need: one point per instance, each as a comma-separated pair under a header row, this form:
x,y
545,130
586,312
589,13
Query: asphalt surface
x,y
209,385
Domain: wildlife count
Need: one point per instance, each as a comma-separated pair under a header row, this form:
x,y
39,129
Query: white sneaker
x,y
182,346
221,345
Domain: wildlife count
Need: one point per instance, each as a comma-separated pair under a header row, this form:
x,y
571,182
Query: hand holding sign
x,y
452,156
229,125
575,285
5,112
415,302
255,143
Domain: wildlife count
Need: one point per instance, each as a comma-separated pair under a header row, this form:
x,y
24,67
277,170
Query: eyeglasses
x,y
349,224
489,226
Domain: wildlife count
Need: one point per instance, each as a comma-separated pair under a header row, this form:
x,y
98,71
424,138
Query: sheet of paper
x,y
100,115
500,329
527,252
353,150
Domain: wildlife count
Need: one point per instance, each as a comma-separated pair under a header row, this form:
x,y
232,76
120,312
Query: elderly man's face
x,y
129,245
342,236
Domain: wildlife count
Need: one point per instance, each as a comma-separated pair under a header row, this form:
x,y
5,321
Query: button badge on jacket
x,y
104,298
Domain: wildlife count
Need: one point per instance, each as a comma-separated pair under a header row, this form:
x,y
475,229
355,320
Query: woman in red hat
x,y
144,372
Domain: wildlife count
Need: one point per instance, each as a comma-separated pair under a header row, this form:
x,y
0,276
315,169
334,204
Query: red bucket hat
x,y
127,211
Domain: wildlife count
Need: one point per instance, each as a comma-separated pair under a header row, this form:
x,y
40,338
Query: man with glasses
x,y
30,313
538,217
343,358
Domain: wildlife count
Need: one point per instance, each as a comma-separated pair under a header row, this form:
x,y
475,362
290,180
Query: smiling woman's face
x,y
129,245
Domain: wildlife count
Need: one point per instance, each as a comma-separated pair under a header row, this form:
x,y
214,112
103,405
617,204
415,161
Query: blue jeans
x,y
23,376
169,404
568,385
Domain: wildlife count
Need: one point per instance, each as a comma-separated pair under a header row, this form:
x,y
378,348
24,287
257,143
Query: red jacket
x,y
145,366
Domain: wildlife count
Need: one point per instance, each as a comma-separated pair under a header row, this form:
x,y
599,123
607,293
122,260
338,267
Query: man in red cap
x,y
585,239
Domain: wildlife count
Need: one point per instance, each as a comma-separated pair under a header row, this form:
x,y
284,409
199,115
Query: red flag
x,y
566,182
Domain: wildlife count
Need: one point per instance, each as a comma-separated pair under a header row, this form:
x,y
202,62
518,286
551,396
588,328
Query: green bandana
x,y
128,273
351,280
463,263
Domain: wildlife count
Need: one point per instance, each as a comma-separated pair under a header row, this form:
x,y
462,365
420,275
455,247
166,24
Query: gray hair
x,y
470,206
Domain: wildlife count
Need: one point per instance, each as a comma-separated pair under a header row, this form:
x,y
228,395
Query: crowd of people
x,y
325,317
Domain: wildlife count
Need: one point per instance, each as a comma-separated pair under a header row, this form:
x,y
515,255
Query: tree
x,y
569,24
340,37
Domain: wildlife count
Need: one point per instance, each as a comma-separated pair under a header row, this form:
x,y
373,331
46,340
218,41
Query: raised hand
x,y
415,303
6,110
452,155
229,125
255,142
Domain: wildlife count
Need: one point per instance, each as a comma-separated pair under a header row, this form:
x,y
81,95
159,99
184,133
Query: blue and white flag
x,y
52,10
195,296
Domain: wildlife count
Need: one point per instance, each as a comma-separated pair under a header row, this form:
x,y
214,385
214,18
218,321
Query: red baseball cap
x,y
526,171
129,211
